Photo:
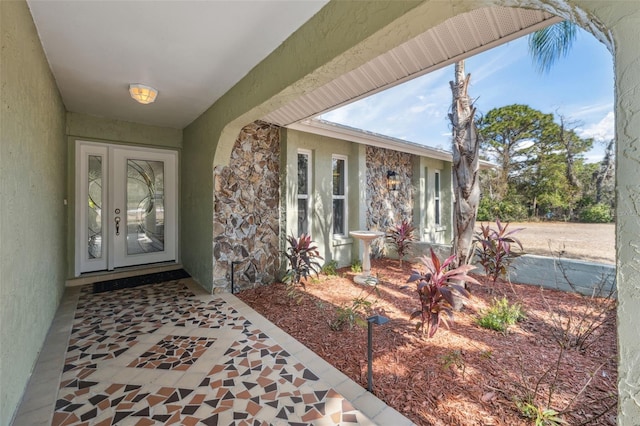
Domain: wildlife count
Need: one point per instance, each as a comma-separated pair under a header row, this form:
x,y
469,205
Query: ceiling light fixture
x,y
143,94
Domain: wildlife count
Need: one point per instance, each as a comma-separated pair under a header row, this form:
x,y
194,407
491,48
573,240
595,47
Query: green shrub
x,y
354,314
501,315
596,213
330,268
505,210
356,266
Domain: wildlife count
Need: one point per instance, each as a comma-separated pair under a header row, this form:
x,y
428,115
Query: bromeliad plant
x,y
493,248
438,289
401,237
302,255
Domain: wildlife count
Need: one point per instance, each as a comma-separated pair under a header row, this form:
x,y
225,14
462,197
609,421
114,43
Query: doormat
x,y
130,282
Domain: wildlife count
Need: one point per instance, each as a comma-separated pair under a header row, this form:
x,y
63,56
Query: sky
x,y
580,87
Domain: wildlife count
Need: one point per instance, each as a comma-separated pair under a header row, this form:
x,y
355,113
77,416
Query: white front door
x,y
126,206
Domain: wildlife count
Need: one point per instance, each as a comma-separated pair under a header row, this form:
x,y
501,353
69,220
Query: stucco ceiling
x,y
191,51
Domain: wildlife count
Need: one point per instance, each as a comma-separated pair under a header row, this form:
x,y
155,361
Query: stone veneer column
x,y
387,208
246,210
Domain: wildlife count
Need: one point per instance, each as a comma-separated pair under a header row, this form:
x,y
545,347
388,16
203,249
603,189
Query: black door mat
x,y
130,282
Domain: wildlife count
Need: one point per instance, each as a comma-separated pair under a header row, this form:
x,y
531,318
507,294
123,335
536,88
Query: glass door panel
x,y
94,208
145,206
91,198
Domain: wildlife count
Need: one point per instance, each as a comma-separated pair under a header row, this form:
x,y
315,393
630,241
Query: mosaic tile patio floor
x,y
170,354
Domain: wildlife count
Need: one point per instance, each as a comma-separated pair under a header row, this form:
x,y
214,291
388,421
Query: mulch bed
x,y
465,375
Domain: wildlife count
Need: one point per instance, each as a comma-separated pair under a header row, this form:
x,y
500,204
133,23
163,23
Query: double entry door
x,y
126,206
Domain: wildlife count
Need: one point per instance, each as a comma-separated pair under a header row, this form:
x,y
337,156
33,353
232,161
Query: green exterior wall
x,y
32,189
340,249
99,129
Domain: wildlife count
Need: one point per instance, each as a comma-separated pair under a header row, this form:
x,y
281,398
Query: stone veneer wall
x,y
246,210
387,208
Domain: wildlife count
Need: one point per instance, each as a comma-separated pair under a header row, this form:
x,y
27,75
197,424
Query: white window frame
x,y
345,177
306,196
437,197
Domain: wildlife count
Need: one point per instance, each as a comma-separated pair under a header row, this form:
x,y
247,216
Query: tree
x,y
541,161
605,172
466,183
507,134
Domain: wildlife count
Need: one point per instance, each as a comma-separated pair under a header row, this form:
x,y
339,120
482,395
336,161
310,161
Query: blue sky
x,y
580,87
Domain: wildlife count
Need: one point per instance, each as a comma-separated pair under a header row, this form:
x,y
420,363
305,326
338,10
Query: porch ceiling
x,y
191,51
462,36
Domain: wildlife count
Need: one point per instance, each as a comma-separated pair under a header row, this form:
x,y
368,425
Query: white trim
x,y
351,134
437,198
306,196
343,197
83,151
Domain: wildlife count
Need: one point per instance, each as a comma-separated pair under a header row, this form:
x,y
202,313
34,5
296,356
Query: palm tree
x,y
546,46
549,44
466,182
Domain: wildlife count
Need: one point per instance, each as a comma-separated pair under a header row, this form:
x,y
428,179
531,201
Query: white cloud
x,y
603,130
582,112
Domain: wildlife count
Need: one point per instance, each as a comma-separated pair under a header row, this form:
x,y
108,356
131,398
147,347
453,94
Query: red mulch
x,y
465,375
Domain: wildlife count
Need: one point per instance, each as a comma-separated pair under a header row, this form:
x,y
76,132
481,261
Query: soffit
x,y
457,38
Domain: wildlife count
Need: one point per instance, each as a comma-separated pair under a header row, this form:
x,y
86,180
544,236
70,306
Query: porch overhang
x,y
455,39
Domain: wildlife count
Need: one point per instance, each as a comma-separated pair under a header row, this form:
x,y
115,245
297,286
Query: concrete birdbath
x,y
366,236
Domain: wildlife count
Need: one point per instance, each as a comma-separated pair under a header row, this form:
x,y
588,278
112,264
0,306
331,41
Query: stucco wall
x,y
246,218
340,249
108,130
32,190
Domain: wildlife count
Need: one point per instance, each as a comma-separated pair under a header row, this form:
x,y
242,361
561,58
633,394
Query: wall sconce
x,y
377,320
392,181
143,94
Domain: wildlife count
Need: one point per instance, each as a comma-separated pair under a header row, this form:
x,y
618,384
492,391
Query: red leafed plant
x,y
400,237
437,291
494,249
302,255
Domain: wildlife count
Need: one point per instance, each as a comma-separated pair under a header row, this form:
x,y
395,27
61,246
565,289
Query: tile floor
x,y
170,353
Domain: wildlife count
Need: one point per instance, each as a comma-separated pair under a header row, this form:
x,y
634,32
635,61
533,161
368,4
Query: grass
x,y
501,315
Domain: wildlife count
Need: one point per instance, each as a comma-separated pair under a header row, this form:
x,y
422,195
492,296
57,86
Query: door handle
x,y
117,219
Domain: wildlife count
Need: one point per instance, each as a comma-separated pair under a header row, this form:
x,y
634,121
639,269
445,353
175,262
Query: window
x,y
304,158
339,166
436,192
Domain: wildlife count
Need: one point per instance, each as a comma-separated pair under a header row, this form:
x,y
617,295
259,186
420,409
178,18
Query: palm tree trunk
x,y
466,185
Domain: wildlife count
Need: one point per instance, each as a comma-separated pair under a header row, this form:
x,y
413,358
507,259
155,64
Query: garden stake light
x,y
378,320
233,264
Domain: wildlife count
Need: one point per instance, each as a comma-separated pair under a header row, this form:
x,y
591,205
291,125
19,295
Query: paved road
x,y
586,241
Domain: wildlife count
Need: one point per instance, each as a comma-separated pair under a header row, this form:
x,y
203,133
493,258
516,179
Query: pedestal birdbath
x,y
366,236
